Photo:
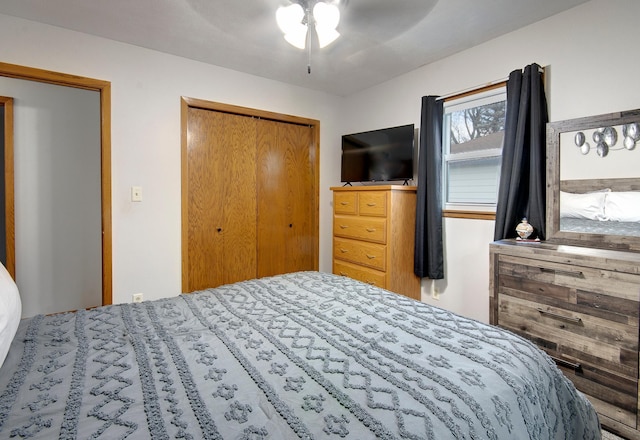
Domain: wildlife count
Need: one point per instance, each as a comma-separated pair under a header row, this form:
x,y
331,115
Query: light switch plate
x,y
136,194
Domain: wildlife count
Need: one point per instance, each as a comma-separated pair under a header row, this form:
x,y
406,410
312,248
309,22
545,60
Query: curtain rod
x,y
470,89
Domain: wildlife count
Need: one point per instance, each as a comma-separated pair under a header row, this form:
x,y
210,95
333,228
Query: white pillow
x,y
10,311
587,206
623,206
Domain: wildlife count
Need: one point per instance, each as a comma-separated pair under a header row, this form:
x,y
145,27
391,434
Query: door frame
x,y
104,88
9,197
185,104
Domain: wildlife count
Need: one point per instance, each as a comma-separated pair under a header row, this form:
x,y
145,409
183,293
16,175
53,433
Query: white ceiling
x,y
380,39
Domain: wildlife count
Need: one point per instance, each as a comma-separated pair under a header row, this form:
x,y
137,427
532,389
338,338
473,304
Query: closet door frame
x,y
314,155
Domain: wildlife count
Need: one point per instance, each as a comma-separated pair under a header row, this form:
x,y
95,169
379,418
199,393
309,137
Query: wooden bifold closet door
x,y
221,198
284,191
249,198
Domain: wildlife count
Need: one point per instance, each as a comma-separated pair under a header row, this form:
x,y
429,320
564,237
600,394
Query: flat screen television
x,y
379,155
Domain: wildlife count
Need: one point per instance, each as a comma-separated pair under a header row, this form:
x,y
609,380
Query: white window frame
x,y
482,96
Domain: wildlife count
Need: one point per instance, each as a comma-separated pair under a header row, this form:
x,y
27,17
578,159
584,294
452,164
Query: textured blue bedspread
x,y
306,355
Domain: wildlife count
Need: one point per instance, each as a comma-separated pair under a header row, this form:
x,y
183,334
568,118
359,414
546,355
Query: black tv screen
x,y
378,155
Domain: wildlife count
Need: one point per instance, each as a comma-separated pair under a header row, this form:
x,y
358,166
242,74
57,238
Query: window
x,y
473,132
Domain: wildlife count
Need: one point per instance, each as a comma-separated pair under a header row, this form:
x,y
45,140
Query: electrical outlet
x,y
137,297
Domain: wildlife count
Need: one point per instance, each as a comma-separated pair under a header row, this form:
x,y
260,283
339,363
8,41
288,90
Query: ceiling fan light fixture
x,y
294,20
297,37
326,35
289,18
326,15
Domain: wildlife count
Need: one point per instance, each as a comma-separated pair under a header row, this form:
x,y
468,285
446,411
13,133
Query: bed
x,y
600,206
302,355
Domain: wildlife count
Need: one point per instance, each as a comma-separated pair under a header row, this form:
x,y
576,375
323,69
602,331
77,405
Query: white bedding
x,y
10,311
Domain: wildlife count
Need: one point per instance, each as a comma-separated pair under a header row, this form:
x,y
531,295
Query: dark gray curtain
x,y
521,192
428,257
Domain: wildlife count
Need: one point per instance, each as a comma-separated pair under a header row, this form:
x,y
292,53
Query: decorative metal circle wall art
x,y
597,135
629,143
581,142
631,130
631,133
585,148
610,136
602,149
606,138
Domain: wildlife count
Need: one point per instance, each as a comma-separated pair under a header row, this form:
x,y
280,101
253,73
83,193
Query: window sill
x,y
474,215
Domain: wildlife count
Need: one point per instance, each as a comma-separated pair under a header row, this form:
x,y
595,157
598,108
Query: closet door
x,y
221,199
286,203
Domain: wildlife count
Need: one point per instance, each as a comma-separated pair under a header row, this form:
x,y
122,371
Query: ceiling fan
x,y
363,20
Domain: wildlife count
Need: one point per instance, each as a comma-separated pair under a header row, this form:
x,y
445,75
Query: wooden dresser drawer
x,y
585,317
571,283
599,355
366,254
374,236
364,274
577,335
345,203
360,228
372,203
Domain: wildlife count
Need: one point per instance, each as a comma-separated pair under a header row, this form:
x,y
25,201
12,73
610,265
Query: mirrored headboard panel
x,y
593,181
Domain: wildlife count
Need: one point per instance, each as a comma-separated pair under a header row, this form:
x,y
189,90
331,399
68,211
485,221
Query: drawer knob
x,y
371,204
344,251
572,319
371,257
343,226
344,203
371,230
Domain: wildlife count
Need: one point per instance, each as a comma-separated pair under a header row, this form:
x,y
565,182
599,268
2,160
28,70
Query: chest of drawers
x,y
373,236
581,306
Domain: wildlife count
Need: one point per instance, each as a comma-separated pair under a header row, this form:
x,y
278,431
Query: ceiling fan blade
x,y
383,19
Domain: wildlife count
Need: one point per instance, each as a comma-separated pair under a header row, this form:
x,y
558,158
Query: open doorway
x,y
101,91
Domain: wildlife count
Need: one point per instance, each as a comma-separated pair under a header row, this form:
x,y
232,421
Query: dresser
x,y
374,236
580,305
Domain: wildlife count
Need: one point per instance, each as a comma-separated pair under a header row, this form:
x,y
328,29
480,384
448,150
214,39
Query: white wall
x,y
146,88
57,196
592,70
